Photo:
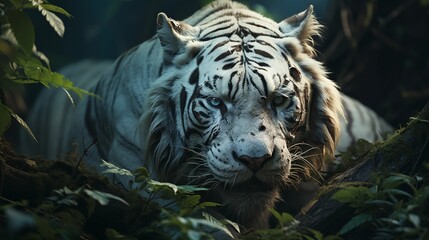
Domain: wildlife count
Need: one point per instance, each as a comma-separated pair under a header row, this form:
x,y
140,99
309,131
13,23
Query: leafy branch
x,y
20,61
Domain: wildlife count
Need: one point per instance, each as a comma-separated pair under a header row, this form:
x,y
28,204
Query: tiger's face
x,y
237,96
243,104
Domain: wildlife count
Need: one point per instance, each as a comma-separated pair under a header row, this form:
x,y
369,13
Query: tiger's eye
x,y
280,101
295,73
214,102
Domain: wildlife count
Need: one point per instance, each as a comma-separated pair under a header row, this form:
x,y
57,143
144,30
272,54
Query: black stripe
x,y
236,89
212,135
193,79
261,26
183,98
213,24
222,56
264,83
264,53
213,31
218,46
229,66
200,58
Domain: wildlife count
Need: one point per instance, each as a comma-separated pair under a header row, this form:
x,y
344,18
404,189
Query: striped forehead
x,y
228,21
233,66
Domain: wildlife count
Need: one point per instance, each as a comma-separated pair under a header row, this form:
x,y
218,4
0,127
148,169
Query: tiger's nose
x,y
253,163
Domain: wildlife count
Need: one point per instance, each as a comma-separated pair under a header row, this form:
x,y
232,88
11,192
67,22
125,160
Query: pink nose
x,y
253,163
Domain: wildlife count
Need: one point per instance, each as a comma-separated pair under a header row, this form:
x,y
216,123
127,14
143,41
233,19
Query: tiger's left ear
x,y
302,26
174,35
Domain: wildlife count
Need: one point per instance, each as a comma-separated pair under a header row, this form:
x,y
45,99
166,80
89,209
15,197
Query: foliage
x,y
394,206
166,211
20,62
288,228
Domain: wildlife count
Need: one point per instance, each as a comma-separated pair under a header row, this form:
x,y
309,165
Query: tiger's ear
x,y
302,26
174,35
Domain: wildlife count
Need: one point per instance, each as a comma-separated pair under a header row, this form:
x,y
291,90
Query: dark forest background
x,y
376,50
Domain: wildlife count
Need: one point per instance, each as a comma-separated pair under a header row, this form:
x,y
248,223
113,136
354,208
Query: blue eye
x,y
214,102
280,101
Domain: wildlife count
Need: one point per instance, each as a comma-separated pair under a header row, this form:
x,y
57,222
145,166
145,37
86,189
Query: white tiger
x,y
226,99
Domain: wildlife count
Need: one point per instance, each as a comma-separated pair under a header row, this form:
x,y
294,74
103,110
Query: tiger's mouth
x,y
253,185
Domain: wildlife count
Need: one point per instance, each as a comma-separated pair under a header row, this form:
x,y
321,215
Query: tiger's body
x,y
227,99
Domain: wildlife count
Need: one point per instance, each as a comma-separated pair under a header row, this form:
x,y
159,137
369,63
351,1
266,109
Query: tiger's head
x,y
239,100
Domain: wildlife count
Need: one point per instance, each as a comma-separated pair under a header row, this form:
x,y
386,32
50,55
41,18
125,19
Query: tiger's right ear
x,y
174,35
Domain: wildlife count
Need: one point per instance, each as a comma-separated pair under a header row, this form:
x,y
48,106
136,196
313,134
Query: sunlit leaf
x,y
210,222
156,185
232,224
113,169
23,124
54,21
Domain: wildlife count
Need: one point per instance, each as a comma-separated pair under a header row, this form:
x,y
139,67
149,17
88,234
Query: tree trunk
x,y
403,153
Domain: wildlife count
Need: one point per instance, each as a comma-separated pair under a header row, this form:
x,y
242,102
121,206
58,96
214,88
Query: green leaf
x,y
102,197
189,201
189,189
5,118
34,71
56,9
113,169
211,222
355,222
208,204
53,20
22,29
5,121
23,124
232,224
350,194
155,186
283,218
